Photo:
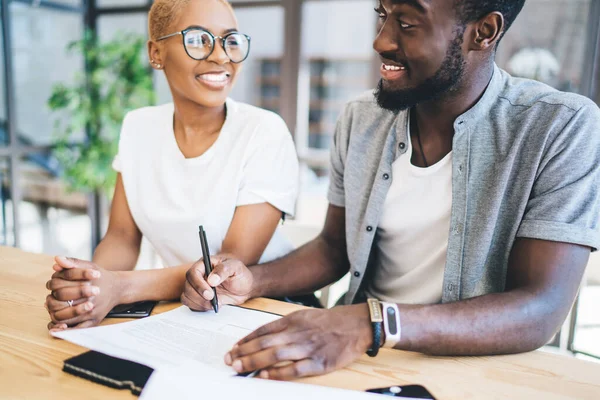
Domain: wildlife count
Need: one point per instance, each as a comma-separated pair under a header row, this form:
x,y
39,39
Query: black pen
x,y
207,264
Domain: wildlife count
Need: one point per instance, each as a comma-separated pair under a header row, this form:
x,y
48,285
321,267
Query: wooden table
x,y
31,360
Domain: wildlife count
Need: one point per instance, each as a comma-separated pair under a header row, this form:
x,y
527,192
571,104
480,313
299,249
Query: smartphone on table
x,y
135,310
411,392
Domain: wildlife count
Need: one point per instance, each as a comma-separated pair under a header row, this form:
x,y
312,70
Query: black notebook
x,y
109,371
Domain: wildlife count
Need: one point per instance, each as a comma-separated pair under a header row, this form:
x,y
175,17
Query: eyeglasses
x,y
199,44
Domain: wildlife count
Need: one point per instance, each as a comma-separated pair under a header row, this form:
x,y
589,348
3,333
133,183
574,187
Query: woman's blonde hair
x,y
164,12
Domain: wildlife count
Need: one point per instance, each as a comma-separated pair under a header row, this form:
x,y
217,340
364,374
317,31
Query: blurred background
x,y
61,105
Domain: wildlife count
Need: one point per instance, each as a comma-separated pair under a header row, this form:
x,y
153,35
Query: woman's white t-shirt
x,y
253,161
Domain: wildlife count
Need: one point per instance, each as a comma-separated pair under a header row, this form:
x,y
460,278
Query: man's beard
x,y
444,80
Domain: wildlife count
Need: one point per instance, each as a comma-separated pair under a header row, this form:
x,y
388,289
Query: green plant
x,y
118,81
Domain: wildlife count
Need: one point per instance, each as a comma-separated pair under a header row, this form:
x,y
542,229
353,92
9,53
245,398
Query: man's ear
x,y
487,32
154,55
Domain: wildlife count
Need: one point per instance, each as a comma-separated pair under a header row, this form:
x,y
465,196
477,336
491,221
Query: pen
x,y
207,264
250,374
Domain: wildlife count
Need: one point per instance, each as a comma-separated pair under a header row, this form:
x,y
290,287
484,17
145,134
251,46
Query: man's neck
x,y
436,117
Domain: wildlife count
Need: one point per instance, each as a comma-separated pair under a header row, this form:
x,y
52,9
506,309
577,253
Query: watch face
x,y
391,314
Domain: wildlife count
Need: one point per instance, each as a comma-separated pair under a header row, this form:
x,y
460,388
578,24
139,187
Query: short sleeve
x,y
336,194
564,205
117,163
270,172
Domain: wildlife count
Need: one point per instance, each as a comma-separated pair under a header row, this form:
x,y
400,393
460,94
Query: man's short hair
x,y
473,10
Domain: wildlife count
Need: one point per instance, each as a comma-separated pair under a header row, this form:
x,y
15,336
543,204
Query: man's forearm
x,y
159,284
309,268
502,323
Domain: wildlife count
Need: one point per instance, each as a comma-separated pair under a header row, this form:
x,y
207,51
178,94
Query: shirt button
x,y
357,274
450,287
460,169
386,176
402,145
369,228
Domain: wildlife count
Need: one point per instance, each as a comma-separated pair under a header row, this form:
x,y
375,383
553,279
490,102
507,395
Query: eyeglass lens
x,y
199,45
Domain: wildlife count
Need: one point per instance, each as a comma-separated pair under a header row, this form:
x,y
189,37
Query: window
x,y
548,43
6,222
39,41
3,127
260,80
120,3
337,64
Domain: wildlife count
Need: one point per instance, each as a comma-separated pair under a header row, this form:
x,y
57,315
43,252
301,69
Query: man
x,y
479,223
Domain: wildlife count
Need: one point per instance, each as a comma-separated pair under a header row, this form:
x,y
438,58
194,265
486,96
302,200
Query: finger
x,y
78,274
57,283
65,262
57,268
77,319
86,324
195,278
299,369
221,258
224,270
53,305
61,326
194,302
75,293
56,327
262,343
268,329
69,313
270,357
70,263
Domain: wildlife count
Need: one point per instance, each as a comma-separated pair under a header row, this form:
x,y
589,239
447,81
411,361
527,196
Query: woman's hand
x,y
82,293
231,277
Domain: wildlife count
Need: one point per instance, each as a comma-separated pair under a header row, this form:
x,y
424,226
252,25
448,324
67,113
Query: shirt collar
x,y
482,108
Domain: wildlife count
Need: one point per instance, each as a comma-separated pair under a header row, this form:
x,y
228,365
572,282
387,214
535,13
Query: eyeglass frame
x,y
214,39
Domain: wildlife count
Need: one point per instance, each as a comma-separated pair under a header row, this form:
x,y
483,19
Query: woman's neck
x,y
194,123
196,128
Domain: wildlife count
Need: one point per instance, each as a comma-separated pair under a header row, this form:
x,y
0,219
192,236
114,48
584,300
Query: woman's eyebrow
x,y
230,30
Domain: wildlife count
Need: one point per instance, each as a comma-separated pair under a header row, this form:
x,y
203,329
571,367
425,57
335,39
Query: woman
x,y
202,160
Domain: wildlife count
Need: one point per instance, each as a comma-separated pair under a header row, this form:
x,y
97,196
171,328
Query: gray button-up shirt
x,y
526,163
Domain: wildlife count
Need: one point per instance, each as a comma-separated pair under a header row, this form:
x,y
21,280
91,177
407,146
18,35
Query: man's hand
x,y
231,277
93,291
308,342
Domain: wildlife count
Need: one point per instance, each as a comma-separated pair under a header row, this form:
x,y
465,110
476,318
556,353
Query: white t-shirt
x,y
253,161
412,235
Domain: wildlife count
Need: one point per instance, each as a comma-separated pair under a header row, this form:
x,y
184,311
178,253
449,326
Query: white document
x,y
196,381
174,338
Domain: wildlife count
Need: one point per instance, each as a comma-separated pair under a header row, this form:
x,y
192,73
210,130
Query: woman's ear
x,y
154,54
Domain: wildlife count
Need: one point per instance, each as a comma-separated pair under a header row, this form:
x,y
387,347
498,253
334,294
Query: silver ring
x,y
70,303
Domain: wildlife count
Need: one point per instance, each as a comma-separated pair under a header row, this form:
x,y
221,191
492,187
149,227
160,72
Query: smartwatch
x,y
391,324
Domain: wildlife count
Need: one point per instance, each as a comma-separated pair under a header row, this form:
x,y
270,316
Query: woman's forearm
x,y
158,284
117,253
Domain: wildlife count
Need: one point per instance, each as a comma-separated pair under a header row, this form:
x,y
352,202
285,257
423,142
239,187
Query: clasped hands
x,y
304,343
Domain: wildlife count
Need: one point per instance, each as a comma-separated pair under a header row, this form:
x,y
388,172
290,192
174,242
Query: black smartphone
x,y
413,392
135,310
